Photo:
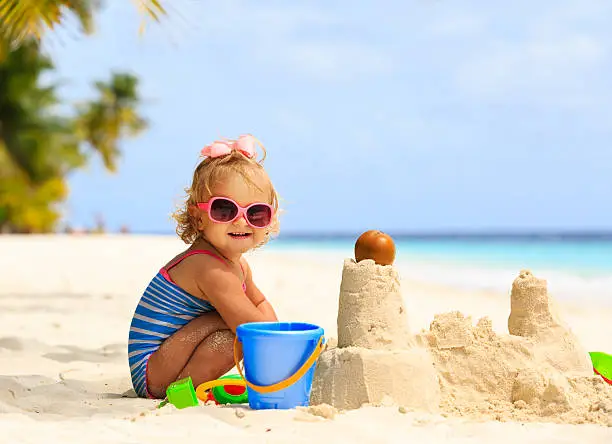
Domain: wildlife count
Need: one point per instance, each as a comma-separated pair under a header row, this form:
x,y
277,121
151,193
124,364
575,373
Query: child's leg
x,y
202,349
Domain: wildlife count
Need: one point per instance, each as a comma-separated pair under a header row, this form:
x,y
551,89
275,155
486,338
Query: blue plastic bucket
x,y
275,352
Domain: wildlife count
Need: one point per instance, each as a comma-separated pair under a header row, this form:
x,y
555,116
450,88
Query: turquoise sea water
x,y
587,257
576,266
576,269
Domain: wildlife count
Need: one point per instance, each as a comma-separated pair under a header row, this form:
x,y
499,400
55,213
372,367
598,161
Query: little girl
x,y
185,321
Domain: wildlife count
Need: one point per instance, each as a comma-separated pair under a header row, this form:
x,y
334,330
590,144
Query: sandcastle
x,y
537,372
374,360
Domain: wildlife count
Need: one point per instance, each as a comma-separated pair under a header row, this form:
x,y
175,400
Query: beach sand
x,y
65,308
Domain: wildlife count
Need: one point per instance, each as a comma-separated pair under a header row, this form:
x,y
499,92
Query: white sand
x,y
65,308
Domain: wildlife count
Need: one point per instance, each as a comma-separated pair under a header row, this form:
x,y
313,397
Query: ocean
x,y
576,266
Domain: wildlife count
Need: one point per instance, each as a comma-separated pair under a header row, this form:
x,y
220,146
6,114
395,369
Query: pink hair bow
x,y
244,144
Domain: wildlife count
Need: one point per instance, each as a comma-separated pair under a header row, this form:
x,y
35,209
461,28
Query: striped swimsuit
x,y
162,310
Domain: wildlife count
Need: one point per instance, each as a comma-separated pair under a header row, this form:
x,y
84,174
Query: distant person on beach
x,y
185,322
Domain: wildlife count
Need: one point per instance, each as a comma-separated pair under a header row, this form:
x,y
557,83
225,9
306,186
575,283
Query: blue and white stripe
x,y
163,309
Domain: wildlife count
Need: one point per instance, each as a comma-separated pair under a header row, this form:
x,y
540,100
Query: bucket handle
x,y
281,384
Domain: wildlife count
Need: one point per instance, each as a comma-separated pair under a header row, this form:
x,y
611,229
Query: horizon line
x,y
441,235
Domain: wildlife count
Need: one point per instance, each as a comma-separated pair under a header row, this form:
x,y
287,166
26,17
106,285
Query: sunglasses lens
x,y
259,215
223,210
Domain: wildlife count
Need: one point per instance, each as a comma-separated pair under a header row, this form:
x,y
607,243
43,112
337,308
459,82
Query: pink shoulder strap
x,y
164,270
191,253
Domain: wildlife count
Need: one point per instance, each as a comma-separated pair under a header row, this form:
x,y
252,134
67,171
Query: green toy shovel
x,y
602,365
181,394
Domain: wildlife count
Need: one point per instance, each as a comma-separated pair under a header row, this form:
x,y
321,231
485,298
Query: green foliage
x,y
39,146
24,207
102,123
38,141
21,20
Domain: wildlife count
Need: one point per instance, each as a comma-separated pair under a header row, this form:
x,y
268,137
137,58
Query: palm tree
x,y
39,146
21,19
113,116
26,117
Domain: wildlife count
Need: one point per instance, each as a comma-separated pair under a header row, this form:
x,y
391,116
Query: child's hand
x,y
256,296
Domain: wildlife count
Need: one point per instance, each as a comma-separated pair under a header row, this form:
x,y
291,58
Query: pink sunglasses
x,y
223,210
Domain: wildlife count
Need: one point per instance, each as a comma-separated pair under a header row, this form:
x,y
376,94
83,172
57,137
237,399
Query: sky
x,y
404,116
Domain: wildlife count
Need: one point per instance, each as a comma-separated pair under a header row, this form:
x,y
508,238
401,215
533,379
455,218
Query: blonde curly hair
x,y
210,171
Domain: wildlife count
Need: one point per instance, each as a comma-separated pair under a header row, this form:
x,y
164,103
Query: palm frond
x,y
103,122
23,19
152,9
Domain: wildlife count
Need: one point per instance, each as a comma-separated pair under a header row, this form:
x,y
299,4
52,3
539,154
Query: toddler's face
x,y
237,237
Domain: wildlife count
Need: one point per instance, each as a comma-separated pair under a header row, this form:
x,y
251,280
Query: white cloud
x,y
456,25
558,68
292,36
555,59
237,18
334,61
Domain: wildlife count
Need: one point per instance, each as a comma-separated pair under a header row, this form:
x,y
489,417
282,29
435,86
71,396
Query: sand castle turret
x,y
371,311
374,362
533,315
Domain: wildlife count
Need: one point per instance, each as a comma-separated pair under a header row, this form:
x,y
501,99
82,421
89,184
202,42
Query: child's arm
x,y
223,289
256,296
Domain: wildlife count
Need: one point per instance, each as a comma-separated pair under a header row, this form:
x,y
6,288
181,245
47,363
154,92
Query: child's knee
x,y
222,342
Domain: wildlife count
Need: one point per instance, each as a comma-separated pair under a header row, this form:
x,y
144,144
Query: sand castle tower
x,y
374,361
534,316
